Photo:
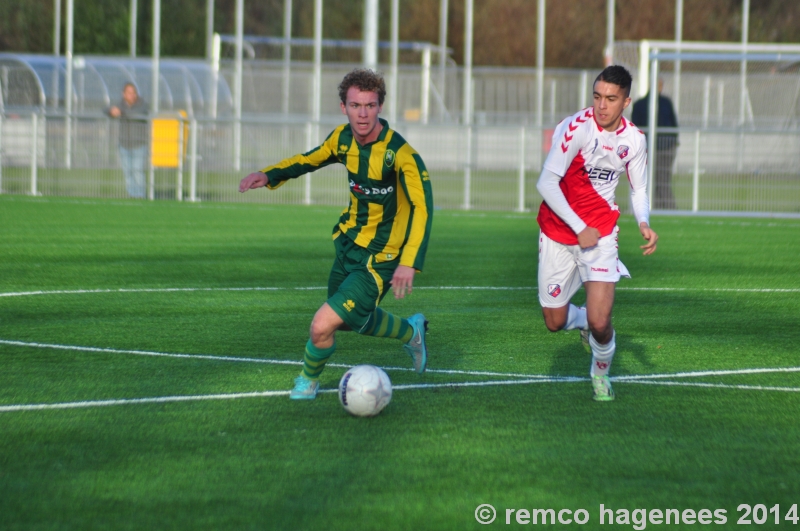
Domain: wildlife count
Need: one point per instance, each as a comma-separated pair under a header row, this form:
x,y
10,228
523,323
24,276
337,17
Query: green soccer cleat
x,y
304,389
585,340
416,345
602,389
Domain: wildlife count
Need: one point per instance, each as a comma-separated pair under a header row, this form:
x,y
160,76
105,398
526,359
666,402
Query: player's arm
x,y
550,190
274,176
413,178
640,202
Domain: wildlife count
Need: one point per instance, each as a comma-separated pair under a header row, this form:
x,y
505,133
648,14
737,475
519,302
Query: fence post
x,y
425,95
521,202
193,161
696,175
151,171
468,170
181,140
310,138
34,152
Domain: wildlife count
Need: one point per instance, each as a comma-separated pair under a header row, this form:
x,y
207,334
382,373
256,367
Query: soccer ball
x,y
365,390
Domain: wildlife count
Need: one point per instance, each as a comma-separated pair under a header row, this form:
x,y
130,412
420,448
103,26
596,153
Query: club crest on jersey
x,y
622,151
389,158
554,290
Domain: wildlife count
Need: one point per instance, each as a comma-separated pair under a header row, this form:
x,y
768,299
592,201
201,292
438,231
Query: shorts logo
x,y
600,269
601,365
622,151
389,158
349,305
554,290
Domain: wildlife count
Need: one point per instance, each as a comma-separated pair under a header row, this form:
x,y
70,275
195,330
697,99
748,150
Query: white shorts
x,y
564,268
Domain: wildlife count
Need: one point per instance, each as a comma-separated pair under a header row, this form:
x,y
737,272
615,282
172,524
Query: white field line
x,y
440,288
718,386
248,360
232,396
696,374
522,379
633,377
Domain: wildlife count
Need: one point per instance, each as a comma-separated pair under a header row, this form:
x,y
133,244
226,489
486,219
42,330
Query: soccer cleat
x,y
304,389
585,340
416,345
602,389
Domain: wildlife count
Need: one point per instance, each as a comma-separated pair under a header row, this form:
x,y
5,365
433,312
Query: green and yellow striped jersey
x,y
391,200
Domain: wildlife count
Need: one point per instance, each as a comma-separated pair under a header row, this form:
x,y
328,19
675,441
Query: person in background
x,y
132,114
666,145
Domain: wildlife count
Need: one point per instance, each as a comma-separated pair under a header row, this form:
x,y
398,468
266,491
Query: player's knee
x,y
601,328
553,321
321,333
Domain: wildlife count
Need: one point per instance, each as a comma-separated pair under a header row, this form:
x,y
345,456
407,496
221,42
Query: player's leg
x,y
320,347
322,340
370,286
599,304
601,270
558,281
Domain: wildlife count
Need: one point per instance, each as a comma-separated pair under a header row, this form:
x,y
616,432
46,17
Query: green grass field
x,y
147,348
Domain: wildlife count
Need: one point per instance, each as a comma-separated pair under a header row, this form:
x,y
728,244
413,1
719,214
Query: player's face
x,y
609,102
362,109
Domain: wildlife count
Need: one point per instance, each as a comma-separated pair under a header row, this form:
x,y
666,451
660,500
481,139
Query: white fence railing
x,y
717,170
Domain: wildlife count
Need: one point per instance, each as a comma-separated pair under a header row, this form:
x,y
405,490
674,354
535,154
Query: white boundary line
x,y
232,396
442,288
718,386
521,379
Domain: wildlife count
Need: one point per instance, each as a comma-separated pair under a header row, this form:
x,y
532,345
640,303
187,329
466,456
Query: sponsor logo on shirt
x,y
601,174
365,190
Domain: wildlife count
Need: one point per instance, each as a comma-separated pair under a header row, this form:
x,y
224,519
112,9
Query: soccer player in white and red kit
x,y
578,218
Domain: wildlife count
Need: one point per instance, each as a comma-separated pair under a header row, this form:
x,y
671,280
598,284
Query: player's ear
x,y
627,102
344,108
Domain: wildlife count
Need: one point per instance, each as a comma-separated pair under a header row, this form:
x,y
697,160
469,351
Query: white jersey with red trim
x,y
589,162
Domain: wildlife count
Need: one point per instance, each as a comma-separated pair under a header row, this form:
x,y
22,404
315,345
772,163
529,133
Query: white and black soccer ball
x,y
365,390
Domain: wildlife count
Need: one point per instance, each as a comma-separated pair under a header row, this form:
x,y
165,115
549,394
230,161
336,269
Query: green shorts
x,y
357,284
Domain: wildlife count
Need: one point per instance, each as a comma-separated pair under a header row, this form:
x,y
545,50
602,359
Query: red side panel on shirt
x,y
587,204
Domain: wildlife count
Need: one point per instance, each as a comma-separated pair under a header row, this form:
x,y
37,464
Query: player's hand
x,y
651,237
402,281
114,112
254,180
588,237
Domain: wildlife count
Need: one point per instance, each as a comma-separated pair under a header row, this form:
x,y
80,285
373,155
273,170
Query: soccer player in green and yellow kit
x,y
381,237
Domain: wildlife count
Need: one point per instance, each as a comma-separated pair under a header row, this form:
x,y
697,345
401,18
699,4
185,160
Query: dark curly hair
x,y
366,80
617,75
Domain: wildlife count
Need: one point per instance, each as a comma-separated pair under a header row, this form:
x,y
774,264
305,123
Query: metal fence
x,y
716,170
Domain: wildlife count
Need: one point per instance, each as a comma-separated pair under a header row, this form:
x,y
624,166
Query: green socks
x,y
314,360
384,324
